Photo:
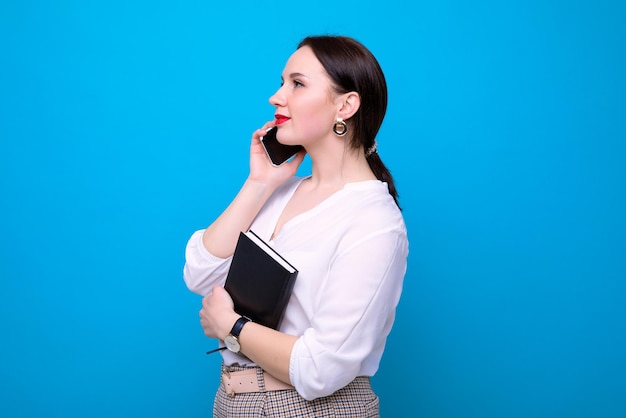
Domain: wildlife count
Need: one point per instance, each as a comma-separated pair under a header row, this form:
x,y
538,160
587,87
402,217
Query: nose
x,y
278,98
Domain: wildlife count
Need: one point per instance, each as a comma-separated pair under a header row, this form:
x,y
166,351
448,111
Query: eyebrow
x,y
297,75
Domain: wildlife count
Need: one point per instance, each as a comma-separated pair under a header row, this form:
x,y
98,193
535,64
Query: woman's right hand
x,y
220,238
262,170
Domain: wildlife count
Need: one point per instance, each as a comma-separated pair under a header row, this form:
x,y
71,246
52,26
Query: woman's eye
x,y
296,83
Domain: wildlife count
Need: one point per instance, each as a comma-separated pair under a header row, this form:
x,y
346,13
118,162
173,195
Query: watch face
x,y
232,344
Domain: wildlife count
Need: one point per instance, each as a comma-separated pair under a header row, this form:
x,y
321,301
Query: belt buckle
x,y
226,373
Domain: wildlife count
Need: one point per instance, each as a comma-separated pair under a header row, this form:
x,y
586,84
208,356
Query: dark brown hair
x,y
352,67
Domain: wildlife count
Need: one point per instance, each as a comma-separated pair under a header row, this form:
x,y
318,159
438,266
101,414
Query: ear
x,y
349,104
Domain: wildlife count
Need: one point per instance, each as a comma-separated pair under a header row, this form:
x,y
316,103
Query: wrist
x,y
259,187
232,339
227,324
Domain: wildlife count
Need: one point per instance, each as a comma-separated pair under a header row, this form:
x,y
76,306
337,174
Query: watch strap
x,y
239,326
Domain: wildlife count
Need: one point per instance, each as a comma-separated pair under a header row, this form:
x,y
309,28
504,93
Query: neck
x,y
335,164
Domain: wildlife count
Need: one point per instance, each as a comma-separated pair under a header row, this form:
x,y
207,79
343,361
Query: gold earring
x,y
340,128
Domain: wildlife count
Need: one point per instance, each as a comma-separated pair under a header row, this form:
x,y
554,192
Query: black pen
x,y
217,349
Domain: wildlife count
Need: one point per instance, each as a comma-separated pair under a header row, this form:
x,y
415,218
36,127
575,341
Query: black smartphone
x,y
278,153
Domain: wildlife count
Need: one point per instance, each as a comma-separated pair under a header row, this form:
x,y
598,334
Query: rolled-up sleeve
x,y
355,312
202,269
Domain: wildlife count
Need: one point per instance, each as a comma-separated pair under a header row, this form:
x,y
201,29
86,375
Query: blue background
x,y
124,127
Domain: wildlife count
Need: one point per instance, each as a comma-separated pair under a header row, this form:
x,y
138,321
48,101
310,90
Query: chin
x,y
284,139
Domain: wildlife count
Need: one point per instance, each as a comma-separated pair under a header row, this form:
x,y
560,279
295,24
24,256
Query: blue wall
x,y
505,132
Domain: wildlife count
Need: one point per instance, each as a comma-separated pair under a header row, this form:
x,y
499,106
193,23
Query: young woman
x,y
340,227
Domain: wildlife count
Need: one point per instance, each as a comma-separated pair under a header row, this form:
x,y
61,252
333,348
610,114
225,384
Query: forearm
x,y
268,348
220,238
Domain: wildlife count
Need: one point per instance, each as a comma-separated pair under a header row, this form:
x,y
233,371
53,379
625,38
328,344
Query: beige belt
x,y
246,381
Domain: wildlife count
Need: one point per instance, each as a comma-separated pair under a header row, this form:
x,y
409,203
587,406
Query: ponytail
x,y
382,173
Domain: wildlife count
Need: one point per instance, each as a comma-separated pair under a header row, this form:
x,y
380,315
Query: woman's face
x,y
306,106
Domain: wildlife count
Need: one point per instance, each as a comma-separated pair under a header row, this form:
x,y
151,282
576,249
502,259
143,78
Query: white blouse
x,y
351,253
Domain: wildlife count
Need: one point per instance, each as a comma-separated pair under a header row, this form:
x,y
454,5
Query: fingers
x,y
256,135
216,308
204,323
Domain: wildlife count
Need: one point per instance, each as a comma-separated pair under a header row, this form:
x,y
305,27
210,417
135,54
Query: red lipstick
x,y
280,119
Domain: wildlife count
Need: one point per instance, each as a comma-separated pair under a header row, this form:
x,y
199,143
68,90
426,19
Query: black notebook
x,y
259,281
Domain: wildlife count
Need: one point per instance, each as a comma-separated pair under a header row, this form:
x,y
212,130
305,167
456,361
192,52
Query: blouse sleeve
x,y
355,313
202,269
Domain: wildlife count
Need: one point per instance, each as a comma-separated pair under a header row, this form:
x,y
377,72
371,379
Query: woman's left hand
x,y
217,315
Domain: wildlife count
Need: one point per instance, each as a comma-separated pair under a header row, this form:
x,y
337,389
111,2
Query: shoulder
x,y
373,209
372,198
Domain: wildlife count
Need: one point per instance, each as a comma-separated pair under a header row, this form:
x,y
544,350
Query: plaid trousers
x,y
356,400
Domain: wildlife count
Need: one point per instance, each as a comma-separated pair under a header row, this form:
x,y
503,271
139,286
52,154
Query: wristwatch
x,y
232,339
